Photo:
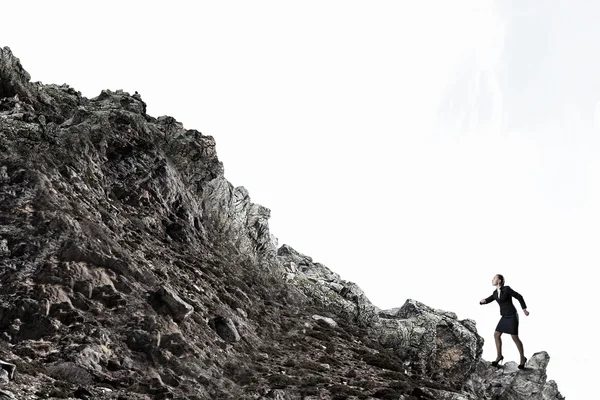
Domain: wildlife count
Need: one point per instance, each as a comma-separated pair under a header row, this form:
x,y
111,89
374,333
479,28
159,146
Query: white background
x,y
416,148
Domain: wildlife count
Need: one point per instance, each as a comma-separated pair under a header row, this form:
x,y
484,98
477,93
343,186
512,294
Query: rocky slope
x,y
132,269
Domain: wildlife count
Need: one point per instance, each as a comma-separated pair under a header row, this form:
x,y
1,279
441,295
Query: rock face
x,y
132,269
438,344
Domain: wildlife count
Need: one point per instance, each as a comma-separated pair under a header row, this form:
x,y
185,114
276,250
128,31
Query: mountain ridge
x,y
132,269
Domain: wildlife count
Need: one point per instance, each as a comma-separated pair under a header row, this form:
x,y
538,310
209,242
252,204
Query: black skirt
x,y
509,324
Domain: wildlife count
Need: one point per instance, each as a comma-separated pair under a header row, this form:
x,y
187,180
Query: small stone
x,y
177,308
9,368
83,393
327,320
5,394
4,251
243,313
225,328
4,377
4,178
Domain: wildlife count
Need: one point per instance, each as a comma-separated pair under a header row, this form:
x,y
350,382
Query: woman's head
x,y
498,280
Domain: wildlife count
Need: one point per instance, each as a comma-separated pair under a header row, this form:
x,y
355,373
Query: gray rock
x,y
228,209
4,379
225,328
279,394
511,383
435,341
176,307
92,358
336,295
9,368
4,178
5,394
14,78
327,320
4,250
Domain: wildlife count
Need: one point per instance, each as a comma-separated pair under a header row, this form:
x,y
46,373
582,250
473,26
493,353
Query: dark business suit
x,y
509,323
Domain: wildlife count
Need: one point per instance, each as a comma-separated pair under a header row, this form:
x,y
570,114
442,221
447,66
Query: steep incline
x,y
132,269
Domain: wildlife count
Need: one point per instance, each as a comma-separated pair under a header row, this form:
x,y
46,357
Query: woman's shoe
x,y
495,363
522,366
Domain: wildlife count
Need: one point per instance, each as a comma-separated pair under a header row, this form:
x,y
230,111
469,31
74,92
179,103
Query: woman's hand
x,y
482,301
526,312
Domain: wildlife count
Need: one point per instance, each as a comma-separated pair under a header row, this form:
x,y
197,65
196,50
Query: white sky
x,y
416,148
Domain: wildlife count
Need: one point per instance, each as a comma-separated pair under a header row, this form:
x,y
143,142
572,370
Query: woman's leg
x,y
519,347
498,344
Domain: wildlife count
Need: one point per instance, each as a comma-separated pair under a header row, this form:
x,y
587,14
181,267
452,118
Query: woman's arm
x,y
518,297
487,300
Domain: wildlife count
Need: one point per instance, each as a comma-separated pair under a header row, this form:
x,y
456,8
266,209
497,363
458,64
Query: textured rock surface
x,y
511,383
132,269
439,345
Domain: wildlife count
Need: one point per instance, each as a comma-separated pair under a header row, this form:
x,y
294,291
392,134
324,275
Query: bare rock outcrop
x,y
510,383
439,344
326,288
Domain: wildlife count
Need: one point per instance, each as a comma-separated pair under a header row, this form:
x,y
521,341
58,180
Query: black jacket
x,y
505,300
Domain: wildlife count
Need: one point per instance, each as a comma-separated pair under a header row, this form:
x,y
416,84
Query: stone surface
x,y
5,394
511,383
132,269
226,329
7,370
173,304
437,344
325,287
327,320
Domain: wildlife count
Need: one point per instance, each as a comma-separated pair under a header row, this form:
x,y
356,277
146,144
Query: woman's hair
x,y
501,279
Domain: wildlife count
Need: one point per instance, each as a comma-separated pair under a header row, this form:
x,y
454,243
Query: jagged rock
x,y
511,383
4,178
438,343
225,328
69,372
317,281
327,320
4,250
230,212
9,368
92,358
13,78
4,377
83,393
279,394
175,306
5,394
128,260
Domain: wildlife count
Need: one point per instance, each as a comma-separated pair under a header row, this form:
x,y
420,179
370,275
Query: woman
x,y
509,323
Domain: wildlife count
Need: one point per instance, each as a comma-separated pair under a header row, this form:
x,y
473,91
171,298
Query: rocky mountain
x,y
131,268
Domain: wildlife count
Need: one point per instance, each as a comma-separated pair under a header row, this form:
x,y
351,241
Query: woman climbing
x,y
509,323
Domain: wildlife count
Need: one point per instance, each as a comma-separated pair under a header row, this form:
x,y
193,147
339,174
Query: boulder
x,y
225,328
169,301
435,341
